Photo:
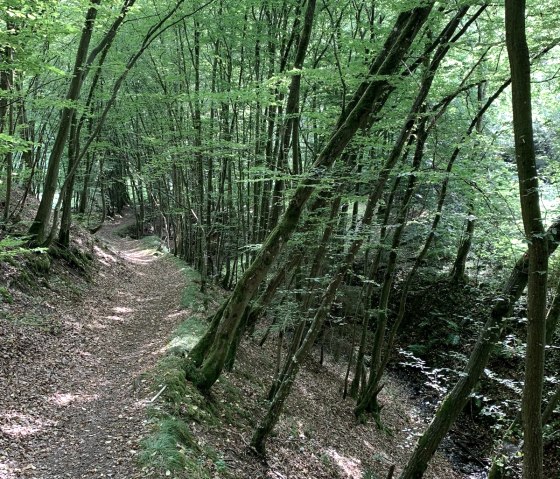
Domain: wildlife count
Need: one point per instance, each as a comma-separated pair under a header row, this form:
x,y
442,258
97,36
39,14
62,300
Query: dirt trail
x,y
78,410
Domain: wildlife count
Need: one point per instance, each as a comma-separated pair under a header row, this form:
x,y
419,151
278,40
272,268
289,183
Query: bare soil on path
x,y
74,406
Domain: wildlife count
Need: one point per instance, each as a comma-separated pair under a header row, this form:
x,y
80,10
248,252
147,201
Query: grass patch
x,y
167,449
191,297
5,295
172,450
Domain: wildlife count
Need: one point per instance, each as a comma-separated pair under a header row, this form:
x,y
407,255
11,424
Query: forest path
x,y
89,415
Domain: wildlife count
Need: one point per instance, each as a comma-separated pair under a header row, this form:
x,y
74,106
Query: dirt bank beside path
x,y
74,405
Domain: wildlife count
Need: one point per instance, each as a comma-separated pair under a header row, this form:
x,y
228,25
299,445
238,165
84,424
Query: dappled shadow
x,y
89,417
348,466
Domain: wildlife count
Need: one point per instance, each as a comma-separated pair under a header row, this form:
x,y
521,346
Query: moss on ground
x,y
5,295
172,449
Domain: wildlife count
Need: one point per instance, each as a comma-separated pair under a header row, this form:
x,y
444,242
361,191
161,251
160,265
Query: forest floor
x,y
75,387
73,404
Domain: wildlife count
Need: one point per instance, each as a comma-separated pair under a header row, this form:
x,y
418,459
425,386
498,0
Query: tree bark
x,y
386,62
518,53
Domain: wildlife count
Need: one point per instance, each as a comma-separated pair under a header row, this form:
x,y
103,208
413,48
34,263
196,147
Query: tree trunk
x,y
407,27
39,227
457,275
518,53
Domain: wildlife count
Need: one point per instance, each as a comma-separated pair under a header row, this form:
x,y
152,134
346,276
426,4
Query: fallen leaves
x,y
73,402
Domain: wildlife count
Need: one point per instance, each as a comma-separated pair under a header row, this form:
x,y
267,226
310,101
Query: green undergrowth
x,y
191,298
174,448
5,295
153,242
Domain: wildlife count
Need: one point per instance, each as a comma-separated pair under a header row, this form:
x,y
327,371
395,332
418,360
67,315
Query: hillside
x,y
79,369
280,238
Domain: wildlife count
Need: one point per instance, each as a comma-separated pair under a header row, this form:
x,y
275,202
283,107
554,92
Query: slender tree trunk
x,y
9,77
66,219
518,53
39,227
553,316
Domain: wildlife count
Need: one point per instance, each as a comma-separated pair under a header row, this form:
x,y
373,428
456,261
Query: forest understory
x,y
280,238
78,352
85,353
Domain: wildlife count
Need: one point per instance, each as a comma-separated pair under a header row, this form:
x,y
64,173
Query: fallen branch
x,y
158,394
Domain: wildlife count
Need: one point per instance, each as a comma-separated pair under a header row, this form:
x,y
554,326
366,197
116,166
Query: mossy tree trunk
x,y
458,397
387,61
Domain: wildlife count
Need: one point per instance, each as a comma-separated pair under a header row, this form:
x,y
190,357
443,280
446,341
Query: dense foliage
x,y
324,161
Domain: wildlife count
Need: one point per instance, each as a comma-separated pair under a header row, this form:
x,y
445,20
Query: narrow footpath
x,y
78,410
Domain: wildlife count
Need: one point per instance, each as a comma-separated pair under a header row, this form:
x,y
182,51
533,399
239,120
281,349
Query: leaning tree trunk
x,y
407,27
357,383
456,400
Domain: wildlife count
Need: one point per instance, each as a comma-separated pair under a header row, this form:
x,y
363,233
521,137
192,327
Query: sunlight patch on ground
x,y
19,425
146,299
184,342
122,309
96,324
349,466
64,399
104,257
140,256
8,470
176,314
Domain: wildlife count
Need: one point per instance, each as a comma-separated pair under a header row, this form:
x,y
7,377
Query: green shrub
x,y
5,295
